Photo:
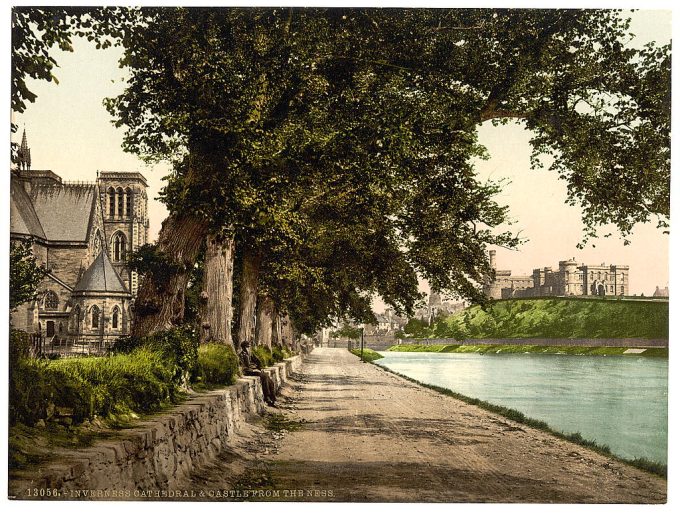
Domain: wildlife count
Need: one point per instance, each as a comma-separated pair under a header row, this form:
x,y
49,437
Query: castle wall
x,y
569,279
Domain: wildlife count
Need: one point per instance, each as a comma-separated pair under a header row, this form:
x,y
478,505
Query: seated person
x,y
252,366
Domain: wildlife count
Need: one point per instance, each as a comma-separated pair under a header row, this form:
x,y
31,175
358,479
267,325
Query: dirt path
x,y
367,435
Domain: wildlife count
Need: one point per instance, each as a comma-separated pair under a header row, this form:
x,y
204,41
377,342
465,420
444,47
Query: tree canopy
x,y
340,142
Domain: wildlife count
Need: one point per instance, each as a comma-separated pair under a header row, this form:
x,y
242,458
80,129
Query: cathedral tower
x,y
126,220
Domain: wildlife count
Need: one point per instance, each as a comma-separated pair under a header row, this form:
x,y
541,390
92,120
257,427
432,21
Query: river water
x,y
619,401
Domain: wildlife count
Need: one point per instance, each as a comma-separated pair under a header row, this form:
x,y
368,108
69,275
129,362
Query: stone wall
x,y
155,454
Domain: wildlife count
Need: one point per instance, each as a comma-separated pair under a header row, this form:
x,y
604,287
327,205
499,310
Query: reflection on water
x,y
619,401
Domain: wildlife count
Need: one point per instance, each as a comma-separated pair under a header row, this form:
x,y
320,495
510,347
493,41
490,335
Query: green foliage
x,y
139,382
416,328
37,30
24,274
348,331
217,365
339,143
369,355
560,318
279,353
147,259
179,346
264,355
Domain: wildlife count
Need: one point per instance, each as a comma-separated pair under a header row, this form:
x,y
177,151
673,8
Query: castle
x,y
81,232
570,279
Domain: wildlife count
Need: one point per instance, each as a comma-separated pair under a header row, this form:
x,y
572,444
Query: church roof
x,y
100,277
23,220
65,211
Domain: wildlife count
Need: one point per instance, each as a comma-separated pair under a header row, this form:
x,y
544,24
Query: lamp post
x,y
362,342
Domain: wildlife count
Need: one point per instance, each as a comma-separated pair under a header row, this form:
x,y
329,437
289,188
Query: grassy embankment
x,y
369,355
558,318
641,463
527,348
552,318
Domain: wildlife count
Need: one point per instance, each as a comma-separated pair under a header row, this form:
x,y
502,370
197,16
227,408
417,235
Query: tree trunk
x,y
216,296
287,333
248,296
276,328
265,318
160,299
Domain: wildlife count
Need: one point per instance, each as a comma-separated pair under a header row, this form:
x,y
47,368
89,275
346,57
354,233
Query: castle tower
x,y
568,282
126,220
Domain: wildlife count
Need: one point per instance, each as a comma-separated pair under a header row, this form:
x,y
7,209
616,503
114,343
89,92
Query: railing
x,y
76,346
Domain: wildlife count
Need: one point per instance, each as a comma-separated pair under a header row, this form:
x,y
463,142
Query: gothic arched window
x,y
76,318
51,301
95,316
112,202
119,194
115,317
118,243
128,202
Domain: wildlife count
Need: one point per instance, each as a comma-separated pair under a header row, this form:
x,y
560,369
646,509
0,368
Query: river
x,y
618,401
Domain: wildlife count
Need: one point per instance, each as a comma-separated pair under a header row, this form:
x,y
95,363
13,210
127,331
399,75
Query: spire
x,y
24,154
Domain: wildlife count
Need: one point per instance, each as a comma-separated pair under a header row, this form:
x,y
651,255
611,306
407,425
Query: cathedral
x,y
81,232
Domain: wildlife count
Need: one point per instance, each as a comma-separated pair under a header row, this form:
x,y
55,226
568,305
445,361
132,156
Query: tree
x,y
348,331
24,274
37,30
362,124
416,328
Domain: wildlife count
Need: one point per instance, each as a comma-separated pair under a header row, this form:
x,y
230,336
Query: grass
x,y
569,318
369,355
641,463
217,365
280,422
526,348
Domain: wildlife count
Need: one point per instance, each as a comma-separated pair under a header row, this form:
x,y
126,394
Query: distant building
x,y
82,233
661,292
570,279
436,307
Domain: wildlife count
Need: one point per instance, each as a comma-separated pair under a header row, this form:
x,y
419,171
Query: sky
x,y
70,132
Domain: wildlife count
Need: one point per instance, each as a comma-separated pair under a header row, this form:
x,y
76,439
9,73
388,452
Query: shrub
x,y
217,364
30,391
141,381
264,355
280,353
179,345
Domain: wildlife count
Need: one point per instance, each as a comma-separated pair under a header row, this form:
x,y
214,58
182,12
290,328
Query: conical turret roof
x,y
101,277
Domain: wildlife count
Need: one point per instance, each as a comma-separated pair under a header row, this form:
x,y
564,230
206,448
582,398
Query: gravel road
x,y
349,431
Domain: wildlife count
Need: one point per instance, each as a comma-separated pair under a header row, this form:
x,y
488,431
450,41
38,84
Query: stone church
x,y
81,232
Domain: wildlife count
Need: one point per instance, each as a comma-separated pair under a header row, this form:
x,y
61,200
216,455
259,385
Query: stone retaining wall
x,y
156,454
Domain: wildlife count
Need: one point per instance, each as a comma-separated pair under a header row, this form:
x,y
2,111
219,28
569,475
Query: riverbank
x,y
364,434
554,318
529,348
656,468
